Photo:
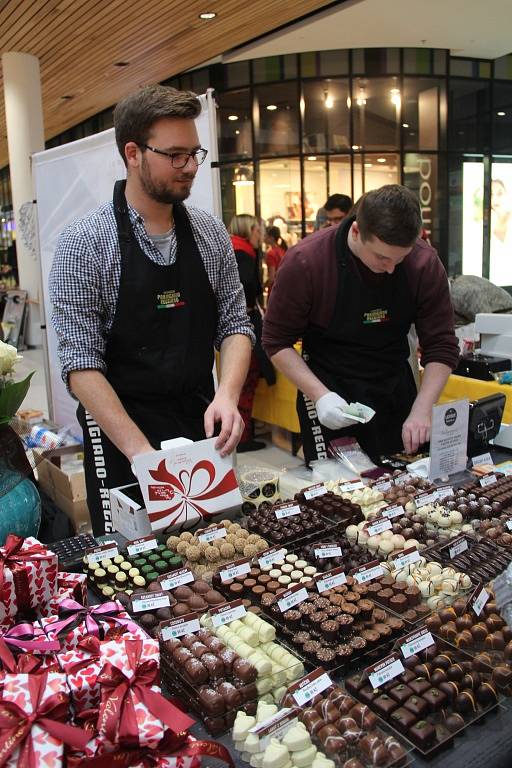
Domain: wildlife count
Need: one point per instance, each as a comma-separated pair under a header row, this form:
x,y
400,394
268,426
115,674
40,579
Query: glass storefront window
x,y
237,74
280,196
376,107
502,118
420,113
380,169
277,123
234,124
417,61
340,181
315,189
376,61
500,267
237,190
326,116
469,115
422,176
267,69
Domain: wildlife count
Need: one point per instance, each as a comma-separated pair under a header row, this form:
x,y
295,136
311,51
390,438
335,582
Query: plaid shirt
x,y
84,282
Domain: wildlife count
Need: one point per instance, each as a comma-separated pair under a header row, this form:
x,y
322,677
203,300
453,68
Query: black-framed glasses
x,y
180,159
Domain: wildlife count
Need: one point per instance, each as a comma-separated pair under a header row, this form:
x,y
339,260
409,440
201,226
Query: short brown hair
x,y
135,115
391,213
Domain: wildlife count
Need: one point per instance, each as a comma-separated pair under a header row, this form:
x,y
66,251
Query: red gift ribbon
x,y
21,637
12,556
73,615
90,645
25,663
117,719
182,484
50,715
151,758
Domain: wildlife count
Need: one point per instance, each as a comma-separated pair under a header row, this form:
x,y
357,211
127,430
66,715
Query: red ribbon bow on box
x,y
50,715
151,758
182,485
73,614
13,556
90,645
24,663
117,719
21,638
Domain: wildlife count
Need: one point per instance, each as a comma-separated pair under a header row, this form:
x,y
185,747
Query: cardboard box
x,y
129,516
66,489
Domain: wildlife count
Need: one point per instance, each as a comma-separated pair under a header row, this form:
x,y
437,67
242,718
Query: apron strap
x,y
124,226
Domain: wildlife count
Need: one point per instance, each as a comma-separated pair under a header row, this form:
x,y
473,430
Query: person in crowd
x,y
142,289
246,236
336,208
351,293
274,254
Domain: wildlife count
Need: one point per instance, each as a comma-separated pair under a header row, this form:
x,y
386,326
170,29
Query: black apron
x,y
362,356
159,354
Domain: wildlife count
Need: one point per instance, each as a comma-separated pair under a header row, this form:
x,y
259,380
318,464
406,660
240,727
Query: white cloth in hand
x,y
330,409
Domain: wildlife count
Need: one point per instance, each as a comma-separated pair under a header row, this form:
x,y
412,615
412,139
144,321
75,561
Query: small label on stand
x,y
212,533
310,686
422,499
392,511
315,490
286,510
457,547
484,458
145,544
270,556
234,569
184,625
330,579
104,552
323,551
444,492
150,601
379,525
416,641
385,670
275,727
508,523
176,578
406,557
224,614
367,572
354,485
292,597
478,599
487,480
382,485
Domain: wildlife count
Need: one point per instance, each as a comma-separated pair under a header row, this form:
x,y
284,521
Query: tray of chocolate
x,y
495,489
414,587
430,695
346,730
333,552
482,560
331,506
291,521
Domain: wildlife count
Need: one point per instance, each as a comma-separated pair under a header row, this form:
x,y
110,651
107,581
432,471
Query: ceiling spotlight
x,y
501,114
405,125
232,117
361,97
207,15
328,100
368,165
271,107
381,159
237,133
355,146
395,96
312,157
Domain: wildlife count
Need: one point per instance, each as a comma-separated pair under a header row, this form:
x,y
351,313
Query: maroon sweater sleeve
x,y
304,291
434,318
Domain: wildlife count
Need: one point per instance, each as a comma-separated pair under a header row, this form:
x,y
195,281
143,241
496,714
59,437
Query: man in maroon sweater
x,y
351,293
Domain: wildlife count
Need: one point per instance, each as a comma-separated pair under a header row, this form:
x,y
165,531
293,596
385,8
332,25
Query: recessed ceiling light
x,y
312,157
405,125
271,107
237,133
501,114
381,159
207,15
368,165
121,63
66,98
355,146
233,117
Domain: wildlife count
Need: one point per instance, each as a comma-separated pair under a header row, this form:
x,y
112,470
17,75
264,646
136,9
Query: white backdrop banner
x,y
72,180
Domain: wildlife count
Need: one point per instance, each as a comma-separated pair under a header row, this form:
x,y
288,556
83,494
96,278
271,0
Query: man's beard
x,y
159,191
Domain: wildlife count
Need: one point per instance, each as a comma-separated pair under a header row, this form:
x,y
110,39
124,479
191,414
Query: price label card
x,y
368,572
146,544
149,601
286,510
212,533
104,552
390,512
422,499
478,599
330,579
234,569
324,551
315,490
274,727
227,612
310,686
355,485
484,458
385,670
379,525
406,557
416,641
270,556
457,547
487,480
382,485
175,578
403,478
184,625
444,492
509,524
292,597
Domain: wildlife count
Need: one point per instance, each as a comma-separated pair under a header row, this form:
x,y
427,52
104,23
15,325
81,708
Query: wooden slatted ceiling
x,y
79,41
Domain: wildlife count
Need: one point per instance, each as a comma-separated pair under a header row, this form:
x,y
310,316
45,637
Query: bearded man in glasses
x,y
143,289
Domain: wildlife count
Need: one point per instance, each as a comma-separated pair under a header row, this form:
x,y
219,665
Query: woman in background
x,y
246,236
273,255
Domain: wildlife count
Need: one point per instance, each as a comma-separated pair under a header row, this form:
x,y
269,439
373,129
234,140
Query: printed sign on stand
x,y
448,439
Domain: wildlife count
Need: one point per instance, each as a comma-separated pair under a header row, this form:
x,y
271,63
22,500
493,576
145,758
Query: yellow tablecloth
x,y
458,387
